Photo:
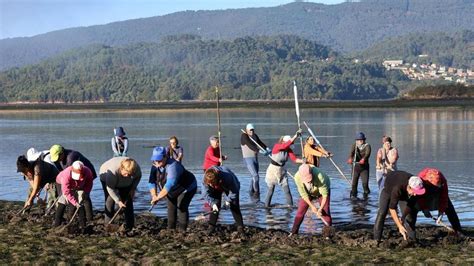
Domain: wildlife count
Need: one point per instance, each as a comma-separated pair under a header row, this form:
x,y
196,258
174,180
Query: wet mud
x,y
31,238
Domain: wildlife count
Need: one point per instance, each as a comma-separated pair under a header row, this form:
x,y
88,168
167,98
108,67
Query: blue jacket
x,y
230,186
175,175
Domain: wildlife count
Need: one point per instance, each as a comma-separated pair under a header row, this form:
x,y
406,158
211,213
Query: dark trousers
x,y
450,213
303,208
71,209
178,209
363,173
234,208
86,201
124,194
384,200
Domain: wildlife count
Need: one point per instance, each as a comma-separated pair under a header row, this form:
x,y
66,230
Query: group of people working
x,y
68,176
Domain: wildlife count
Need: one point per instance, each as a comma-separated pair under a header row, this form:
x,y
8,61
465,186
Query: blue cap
x,y
360,136
158,154
119,132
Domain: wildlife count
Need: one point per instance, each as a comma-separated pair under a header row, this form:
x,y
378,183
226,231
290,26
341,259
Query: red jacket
x,y
285,146
443,195
211,158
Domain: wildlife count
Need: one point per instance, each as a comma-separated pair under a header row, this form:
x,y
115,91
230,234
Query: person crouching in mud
x,y
120,177
74,184
218,180
400,187
38,174
276,171
312,185
179,188
437,198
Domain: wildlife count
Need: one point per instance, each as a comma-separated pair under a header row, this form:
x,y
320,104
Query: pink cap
x,y
305,172
416,184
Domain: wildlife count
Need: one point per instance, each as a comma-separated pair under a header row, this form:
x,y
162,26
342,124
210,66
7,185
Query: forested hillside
x,y
344,27
448,49
187,67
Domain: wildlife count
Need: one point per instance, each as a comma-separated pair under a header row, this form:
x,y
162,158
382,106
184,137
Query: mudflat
x,y
31,238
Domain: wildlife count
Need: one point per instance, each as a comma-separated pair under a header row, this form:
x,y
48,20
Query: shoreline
x,y
31,239
228,104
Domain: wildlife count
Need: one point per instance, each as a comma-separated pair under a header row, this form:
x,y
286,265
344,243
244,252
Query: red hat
x,y
433,176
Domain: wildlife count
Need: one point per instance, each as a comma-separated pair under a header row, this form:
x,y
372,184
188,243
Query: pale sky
x,y
20,18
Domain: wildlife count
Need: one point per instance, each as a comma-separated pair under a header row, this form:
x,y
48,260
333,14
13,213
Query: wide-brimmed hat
x,y
119,132
32,154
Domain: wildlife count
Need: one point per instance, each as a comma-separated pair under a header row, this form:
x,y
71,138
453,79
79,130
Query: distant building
x,y
392,64
422,55
451,70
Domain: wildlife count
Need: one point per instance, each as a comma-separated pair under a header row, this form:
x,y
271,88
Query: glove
x,y
427,214
439,220
298,132
362,161
349,161
215,208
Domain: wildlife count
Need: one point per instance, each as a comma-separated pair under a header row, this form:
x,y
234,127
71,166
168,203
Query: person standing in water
x,y
250,155
213,156
174,150
359,159
386,161
276,171
119,142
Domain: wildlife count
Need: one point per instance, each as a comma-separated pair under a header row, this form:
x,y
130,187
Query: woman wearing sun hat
x,y
312,184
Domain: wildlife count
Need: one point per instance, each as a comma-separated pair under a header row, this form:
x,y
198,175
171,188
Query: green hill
x,y
345,27
187,67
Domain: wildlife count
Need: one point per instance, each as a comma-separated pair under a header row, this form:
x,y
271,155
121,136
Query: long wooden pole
x,y
297,108
219,125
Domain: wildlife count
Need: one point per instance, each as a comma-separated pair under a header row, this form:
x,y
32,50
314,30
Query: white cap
x,y
32,155
286,138
76,170
250,126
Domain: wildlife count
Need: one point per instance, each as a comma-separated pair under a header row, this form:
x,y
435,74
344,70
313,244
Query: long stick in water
x,y
319,143
297,108
219,125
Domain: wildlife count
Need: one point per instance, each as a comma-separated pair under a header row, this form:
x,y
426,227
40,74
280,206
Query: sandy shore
x,y
30,238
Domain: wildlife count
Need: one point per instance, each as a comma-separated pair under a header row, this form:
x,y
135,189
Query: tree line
x,y
187,67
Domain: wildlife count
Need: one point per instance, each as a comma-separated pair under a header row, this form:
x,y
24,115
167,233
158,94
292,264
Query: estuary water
x,y
441,138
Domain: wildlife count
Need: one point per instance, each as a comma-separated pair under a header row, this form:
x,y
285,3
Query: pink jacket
x,y
69,185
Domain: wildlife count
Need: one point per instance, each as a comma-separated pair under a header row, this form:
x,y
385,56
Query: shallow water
x,y
425,137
